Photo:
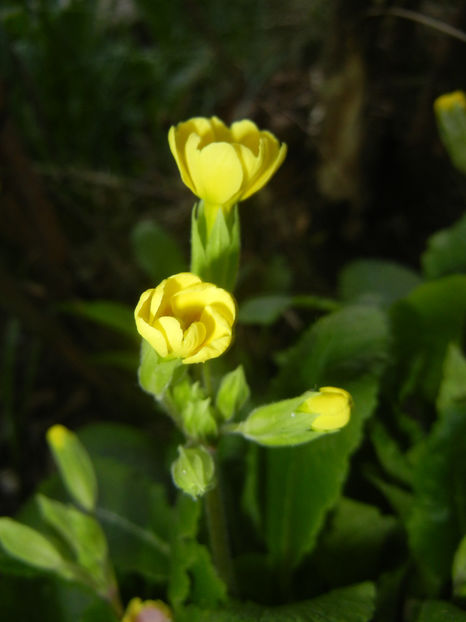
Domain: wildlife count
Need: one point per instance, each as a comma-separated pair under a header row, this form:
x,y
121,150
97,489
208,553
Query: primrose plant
x,y
189,319
185,322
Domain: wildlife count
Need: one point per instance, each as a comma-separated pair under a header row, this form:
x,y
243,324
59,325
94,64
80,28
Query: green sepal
x,y
280,424
74,465
33,548
84,536
232,394
196,413
155,374
450,111
199,420
215,254
194,471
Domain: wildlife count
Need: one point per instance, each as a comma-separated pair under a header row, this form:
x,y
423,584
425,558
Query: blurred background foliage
x,y
93,211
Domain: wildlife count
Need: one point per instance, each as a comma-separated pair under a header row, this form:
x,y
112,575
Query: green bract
x,y
232,393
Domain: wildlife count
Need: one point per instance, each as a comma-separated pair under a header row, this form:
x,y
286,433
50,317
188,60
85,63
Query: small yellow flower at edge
x,y
186,318
333,406
147,611
224,165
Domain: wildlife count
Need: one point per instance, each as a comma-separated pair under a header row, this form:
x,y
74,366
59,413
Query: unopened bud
x,y
194,471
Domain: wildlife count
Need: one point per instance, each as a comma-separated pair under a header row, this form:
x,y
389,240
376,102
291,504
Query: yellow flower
x,y
333,407
223,165
147,611
185,318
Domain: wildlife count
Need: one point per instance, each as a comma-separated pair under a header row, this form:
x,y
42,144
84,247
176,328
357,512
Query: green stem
x,y
207,379
218,535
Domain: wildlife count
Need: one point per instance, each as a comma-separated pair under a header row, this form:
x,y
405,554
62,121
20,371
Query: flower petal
x,y
189,303
221,131
217,326
153,336
177,137
251,164
142,310
171,330
209,351
193,338
273,158
216,171
246,133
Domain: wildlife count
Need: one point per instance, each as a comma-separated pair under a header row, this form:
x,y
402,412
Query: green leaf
x,y
389,453
376,282
459,570
193,574
349,604
233,393
31,547
74,465
440,611
113,315
99,612
47,598
438,519
399,498
263,309
358,532
347,349
136,518
156,251
83,535
423,324
267,309
125,444
446,251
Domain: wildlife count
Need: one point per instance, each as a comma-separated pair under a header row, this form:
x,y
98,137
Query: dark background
x,y
88,91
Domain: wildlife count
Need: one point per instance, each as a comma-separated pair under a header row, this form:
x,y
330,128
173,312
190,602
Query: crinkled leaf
x,y
438,519
440,611
359,532
446,251
156,251
423,324
263,309
114,315
347,349
349,604
376,282
389,453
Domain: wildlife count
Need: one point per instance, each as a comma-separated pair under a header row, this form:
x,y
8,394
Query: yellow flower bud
x,y
450,100
185,318
450,112
333,407
223,165
147,611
